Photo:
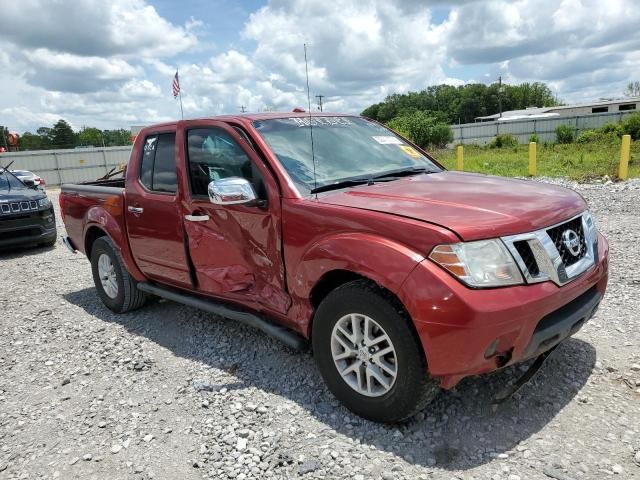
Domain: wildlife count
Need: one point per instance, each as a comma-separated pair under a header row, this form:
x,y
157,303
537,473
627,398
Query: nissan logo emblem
x,y
571,241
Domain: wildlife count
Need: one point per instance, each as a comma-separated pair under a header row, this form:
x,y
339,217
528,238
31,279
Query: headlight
x,y
591,232
44,202
485,263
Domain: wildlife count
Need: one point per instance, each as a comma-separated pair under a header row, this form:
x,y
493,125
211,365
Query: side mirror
x,y
231,191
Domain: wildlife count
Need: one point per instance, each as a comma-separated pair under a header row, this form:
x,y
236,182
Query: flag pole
x,y
181,112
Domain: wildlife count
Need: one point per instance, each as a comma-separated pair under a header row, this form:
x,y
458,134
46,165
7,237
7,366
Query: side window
x,y
146,164
158,165
213,155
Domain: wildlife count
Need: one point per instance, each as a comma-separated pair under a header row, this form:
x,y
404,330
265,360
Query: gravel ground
x,y
171,392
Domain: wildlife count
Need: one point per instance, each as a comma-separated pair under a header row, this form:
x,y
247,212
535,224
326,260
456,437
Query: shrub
x,y
608,133
611,128
631,126
534,138
422,129
588,136
503,140
564,134
440,135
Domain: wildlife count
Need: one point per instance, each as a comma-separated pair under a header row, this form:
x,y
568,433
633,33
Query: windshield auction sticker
x,y
387,140
321,121
412,152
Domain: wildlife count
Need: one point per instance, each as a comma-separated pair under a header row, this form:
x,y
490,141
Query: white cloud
x,y
584,48
110,64
94,28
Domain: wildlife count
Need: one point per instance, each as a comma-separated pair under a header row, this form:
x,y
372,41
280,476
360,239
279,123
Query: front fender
x,y
384,261
111,222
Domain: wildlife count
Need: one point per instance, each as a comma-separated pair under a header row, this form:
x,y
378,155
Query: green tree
x,y
30,141
422,129
62,135
633,89
4,131
464,103
117,138
90,137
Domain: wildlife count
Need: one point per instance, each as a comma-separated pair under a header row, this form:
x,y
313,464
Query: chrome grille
x,y
546,254
529,259
555,233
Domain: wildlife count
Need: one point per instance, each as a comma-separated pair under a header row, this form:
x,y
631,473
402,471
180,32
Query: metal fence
x,y
545,128
68,166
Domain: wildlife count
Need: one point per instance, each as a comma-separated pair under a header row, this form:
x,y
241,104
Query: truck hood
x,y
472,205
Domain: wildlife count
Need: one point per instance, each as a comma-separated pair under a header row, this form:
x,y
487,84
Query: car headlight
x,y
44,202
485,263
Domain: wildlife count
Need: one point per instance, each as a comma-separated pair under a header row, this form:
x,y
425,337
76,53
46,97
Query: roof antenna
x,y
313,156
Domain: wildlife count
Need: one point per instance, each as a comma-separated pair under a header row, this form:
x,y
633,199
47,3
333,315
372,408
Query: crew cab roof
x,y
250,117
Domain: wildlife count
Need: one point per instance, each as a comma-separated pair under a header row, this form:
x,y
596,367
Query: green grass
x,y
582,162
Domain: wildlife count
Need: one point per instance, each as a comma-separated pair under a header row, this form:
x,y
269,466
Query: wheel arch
x,y
336,278
94,231
91,235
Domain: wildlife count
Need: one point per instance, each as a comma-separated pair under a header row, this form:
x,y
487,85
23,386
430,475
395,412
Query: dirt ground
x,y
169,392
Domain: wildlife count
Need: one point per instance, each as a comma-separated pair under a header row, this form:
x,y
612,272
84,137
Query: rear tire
x,y
388,388
116,288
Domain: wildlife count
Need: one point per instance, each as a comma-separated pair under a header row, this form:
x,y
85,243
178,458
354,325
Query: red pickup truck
x,y
334,232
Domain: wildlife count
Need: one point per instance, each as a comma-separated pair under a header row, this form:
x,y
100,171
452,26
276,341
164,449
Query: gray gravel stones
x,y
170,392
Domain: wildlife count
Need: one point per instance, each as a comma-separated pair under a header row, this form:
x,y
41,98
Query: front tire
x,y
369,355
115,287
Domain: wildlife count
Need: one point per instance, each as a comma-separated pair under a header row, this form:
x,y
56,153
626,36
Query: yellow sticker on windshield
x,y
412,152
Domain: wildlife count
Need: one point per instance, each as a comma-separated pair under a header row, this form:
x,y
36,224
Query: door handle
x,y
196,218
136,210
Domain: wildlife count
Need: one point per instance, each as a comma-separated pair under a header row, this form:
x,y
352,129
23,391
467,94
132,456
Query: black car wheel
x,y
116,288
368,354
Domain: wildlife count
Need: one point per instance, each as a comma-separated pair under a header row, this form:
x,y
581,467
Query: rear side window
x,y
158,165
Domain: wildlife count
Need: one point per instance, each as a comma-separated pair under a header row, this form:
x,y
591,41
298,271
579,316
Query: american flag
x,y
176,85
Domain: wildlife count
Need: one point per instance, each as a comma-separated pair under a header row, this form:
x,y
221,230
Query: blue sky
x,y
110,64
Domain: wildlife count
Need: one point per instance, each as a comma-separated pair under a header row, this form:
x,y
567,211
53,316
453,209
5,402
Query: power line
x,y
320,97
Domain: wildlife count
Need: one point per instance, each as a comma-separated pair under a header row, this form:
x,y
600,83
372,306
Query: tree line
x,y
61,135
424,117
462,104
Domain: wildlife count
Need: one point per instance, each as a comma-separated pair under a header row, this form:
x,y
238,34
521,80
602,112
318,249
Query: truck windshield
x,y
9,182
345,148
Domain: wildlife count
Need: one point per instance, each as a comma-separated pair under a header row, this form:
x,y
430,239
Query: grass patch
x,y
581,162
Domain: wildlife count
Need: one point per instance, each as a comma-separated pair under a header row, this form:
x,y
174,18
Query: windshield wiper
x,y
342,184
405,172
381,177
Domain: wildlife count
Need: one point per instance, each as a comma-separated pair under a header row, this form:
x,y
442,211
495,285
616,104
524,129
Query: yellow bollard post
x,y
460,158
625,152
533,165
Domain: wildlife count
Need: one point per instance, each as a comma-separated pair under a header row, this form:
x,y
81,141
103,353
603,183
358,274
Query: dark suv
x,y
26,214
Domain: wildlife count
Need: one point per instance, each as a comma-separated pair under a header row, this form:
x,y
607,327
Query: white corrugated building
x,y
630,104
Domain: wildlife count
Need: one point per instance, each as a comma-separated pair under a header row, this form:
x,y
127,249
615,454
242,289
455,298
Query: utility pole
x,y
243,108
500,94
320,97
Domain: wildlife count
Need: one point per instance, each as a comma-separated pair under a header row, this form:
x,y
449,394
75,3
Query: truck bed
x,y
99,202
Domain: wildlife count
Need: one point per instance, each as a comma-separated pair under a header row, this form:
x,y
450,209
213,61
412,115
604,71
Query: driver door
x,y
235,249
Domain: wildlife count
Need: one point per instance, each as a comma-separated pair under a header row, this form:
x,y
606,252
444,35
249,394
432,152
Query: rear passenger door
x,y
154,222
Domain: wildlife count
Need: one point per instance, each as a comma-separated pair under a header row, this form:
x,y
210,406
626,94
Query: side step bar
x,y
286,336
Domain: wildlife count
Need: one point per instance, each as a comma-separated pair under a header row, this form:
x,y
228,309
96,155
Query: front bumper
x,y
27,228
467,332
